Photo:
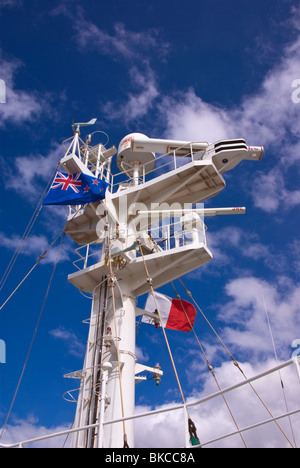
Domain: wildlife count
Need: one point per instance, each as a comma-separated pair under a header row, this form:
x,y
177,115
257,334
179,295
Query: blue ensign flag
x,y
75,189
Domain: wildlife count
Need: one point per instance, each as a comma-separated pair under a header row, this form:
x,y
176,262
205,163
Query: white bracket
x,y
153,370
156,371
201,211
297,362
139,312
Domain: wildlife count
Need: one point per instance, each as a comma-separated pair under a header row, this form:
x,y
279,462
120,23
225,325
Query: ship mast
x,y
117,240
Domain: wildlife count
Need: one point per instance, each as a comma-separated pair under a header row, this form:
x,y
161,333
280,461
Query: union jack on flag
x,y
65,181
75,189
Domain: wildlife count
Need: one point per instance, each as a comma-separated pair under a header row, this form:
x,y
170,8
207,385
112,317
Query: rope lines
x,y
26,233
111,283
191,426
31,270
37,262
33,337
194,439
235,361
210,368
149,279
279,372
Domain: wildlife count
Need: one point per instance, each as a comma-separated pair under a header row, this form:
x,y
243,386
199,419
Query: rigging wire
x,y
100,325
67,436
235,362
38,261
279,372
194,439
27,231
111,283
33,337
210,367
31,270
149,280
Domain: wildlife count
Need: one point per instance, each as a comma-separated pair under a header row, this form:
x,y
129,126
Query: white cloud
x,y
212,419
270,190
21,430
35,246
10,3
270,114
136,104
131,49
268,117
226,237
246,334
21,106
189,118
74,346
33,170
230,241
123,44
139,104
245,315
141,354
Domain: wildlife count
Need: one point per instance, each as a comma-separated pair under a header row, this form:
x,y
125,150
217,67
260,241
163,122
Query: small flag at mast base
x,y
176,314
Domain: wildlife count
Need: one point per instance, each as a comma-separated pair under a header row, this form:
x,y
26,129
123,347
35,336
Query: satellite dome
x,y
127,157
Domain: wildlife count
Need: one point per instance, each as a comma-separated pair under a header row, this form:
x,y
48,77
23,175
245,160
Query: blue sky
x,y
189,70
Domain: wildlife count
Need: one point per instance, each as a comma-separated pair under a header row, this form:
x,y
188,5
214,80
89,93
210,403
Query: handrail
x,y
209,397
175,159
248,428
175,408
159,233
173,163
48,436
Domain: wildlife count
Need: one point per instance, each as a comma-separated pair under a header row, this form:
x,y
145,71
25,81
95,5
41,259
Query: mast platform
x,y
147,227
163,266
193,182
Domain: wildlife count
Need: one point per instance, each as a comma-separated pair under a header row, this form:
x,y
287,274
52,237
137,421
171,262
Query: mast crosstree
x,y
148,219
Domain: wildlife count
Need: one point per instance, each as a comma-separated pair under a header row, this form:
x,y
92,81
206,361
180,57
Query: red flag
x,y
175,314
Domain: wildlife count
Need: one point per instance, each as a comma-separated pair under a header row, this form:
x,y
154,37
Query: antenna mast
x,y
110,266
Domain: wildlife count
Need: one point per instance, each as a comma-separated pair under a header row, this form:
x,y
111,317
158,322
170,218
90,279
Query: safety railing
x,y
167,234
88,254
178,232
183,407
164,163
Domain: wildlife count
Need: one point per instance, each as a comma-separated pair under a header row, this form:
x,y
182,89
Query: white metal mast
x,y
111,234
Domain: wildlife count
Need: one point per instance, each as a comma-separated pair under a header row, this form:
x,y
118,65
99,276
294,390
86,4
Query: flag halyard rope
x,y
210,367
111,283
194,439
149,280
235,361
